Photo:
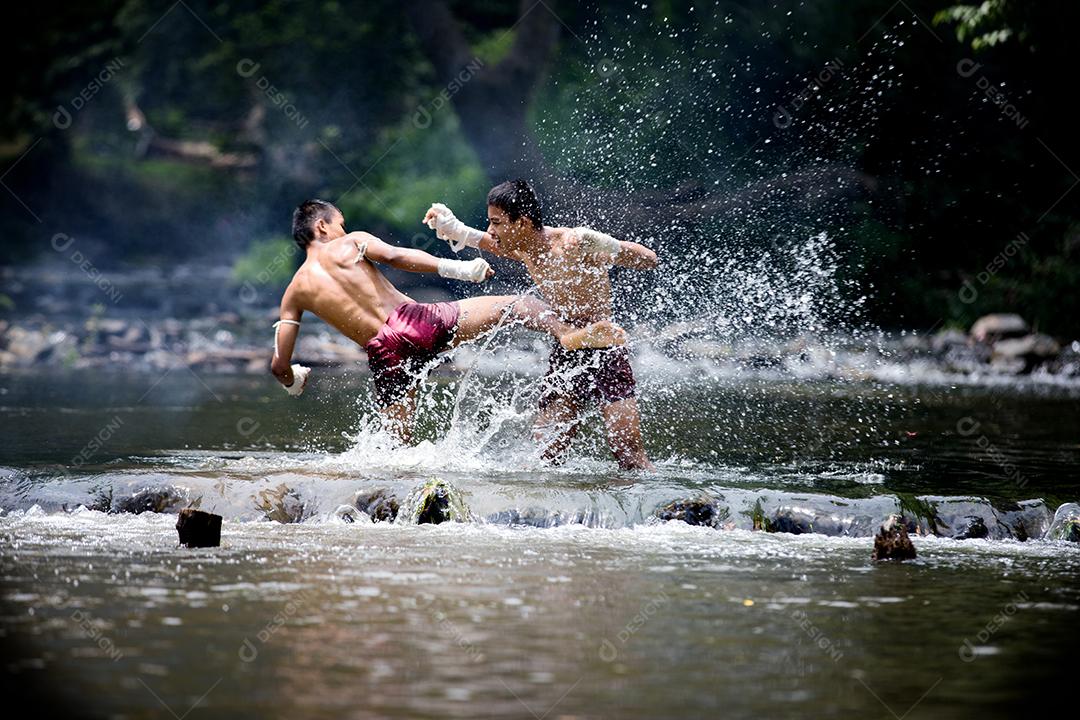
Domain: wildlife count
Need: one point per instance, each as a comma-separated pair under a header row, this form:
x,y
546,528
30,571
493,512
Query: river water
x,y
562,597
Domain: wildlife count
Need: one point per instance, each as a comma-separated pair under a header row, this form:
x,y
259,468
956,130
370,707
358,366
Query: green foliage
x,y
410,169
956,180
494,46
980,26
267,262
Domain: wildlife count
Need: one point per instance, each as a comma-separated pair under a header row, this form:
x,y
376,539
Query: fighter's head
x,y
316,221
513,213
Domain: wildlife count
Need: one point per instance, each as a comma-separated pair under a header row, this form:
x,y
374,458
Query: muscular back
x,y
350,295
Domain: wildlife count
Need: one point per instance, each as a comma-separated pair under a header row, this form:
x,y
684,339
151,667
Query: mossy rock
x,y
434,502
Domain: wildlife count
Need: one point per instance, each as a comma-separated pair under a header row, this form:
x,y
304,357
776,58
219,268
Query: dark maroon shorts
x,y
409,339
602,376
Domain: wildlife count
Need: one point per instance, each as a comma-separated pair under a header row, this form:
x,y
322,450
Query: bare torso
x,y
579,290
353,297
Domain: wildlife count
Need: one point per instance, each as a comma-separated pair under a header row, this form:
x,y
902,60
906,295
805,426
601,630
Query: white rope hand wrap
x,y
470,270
449,228
300,373
299,379
598,243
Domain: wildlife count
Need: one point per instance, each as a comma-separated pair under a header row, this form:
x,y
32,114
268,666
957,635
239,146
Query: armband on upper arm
x,y
598,243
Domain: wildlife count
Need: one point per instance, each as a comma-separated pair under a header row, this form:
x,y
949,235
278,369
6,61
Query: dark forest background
x,y
931,140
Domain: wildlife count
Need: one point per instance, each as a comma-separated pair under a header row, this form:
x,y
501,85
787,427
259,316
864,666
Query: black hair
x,y
306,215
517,199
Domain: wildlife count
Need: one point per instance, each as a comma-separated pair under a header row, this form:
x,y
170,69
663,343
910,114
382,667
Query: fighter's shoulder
x,y
343,250
566,239
563,235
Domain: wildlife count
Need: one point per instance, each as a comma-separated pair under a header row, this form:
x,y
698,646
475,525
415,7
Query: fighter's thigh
x,y
480,314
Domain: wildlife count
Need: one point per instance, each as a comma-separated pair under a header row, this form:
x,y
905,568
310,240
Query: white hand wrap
x,y
299,379
598,243
470,270
449,228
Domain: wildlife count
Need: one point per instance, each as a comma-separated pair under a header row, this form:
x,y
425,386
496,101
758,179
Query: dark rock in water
x,y
434,502
946,339
155,500
1031,350
379,504
529,517
434,506
1066,524
975,529
892,541
349,514
790,520
198,529
701,511
967,518
283,504
1027,519
541,518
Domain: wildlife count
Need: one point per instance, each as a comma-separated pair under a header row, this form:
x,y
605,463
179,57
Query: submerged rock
x,y
282,504
349,514
1029,351
541,518
151,499
379,504
974,529
967,518
434,502
1027,519
892,541
794,520
704,511
946,339
1066,524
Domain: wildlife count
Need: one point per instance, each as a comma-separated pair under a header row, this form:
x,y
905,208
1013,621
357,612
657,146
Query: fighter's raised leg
x,y
480,314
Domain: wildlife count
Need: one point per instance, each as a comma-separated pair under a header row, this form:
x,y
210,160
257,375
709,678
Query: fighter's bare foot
x,y
597,335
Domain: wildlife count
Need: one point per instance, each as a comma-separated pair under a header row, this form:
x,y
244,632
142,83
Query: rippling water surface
x,y
601,612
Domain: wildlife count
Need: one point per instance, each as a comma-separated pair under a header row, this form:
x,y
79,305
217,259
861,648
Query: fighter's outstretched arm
x,y
413,260
447,227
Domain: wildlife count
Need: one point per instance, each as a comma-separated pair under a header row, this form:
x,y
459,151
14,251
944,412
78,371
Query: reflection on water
x,y
461,621
604,615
